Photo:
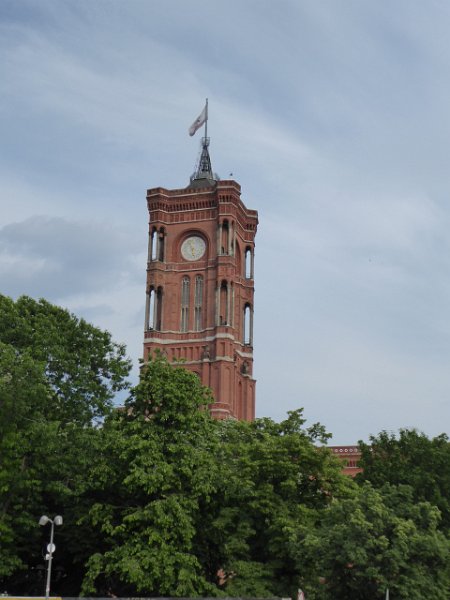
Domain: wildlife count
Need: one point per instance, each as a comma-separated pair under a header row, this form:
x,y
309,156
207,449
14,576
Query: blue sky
x,y
334,118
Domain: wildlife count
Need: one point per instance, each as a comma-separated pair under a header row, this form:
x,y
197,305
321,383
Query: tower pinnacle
x,y
204,175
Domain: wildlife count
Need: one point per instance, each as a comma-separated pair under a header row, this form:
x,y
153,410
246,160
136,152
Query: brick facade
x,y
200,288
350,456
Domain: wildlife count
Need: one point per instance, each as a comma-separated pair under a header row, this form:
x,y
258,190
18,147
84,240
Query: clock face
x,y
193,248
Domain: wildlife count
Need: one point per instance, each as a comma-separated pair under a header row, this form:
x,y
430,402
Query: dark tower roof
x,y
204,175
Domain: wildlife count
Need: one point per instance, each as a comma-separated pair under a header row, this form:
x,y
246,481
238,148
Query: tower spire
x,y
203,174
204,169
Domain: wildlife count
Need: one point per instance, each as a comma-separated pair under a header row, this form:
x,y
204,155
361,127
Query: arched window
x,y
153,319
156,246
158,309
149,317
225,238
224,304
153,244
160,246
248,325
185,293
231,236
237,252
248,263
198,304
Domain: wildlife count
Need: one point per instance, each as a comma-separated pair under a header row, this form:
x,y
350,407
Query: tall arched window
x,y
153,318
153,244
248,263
160,249
248,325
185,292
231,236
224,304
158,309
225,238
150,316
198,304
156,246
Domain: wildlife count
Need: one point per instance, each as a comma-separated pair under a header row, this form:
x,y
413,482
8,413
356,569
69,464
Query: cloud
x,y
334,121
55,257
350,380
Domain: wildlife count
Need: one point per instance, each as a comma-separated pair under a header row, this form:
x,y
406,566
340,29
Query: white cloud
x,y
334,120
52,256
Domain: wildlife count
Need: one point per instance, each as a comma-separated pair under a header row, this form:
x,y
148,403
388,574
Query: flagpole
x,y
206,122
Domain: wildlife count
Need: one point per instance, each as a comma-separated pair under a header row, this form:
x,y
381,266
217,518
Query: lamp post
x,y
58,520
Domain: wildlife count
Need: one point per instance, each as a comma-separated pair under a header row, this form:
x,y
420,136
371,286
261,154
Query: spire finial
x,y
203,171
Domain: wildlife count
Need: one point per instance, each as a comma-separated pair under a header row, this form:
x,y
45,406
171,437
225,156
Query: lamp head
x,y
58,520
44,520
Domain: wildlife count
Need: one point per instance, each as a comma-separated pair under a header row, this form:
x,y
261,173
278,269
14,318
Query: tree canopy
x,y
159,499
411,458
371,540
58,375
83,367
156,472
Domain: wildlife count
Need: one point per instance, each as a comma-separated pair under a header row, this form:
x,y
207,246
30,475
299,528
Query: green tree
x,y
83,367
274,480
374,539
413,459
152,487
22,387
185,506
57,375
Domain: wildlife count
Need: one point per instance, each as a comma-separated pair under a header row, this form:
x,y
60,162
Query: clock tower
x,y
200,285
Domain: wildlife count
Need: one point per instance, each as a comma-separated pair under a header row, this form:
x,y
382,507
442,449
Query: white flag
x,y
199,121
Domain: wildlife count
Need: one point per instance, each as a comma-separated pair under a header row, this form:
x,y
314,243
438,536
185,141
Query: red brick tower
x,y
200,285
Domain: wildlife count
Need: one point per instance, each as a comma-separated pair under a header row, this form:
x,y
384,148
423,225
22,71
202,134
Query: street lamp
x,y
58,520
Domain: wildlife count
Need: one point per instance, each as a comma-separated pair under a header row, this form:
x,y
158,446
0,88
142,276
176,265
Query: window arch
x,y
185,296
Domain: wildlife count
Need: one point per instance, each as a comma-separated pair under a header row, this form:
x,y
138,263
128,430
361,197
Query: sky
x,y
334,118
